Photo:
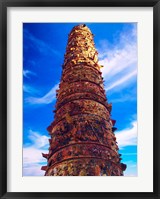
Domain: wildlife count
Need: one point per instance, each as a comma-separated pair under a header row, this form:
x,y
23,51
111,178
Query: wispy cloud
x,y
127,137
29,89
131,170
38,140
127,97
27,73
46,99
32,161
39,44
120,60
121,80
32,154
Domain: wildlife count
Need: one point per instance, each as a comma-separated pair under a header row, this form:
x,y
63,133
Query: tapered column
x,y
82,133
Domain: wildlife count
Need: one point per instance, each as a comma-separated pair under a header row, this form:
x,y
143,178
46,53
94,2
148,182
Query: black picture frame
x,y
4,4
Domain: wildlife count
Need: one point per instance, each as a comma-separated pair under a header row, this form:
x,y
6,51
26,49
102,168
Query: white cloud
x,y
131,170
120,60
32,154
46,99
38,140
32,161
27,73
122,80
33,170
127,137
131,96
29,89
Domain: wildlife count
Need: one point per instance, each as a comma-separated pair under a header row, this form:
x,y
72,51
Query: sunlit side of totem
x,y
82,141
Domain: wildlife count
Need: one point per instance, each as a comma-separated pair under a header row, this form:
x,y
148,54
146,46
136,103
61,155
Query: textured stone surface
x,y
82,141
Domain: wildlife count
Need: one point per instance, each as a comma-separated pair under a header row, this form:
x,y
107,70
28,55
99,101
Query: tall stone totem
x,y
82,141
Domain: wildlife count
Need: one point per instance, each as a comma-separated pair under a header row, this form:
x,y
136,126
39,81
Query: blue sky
x,y
44,47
